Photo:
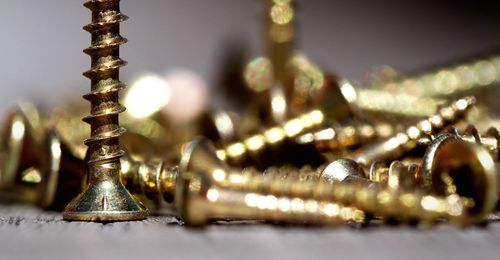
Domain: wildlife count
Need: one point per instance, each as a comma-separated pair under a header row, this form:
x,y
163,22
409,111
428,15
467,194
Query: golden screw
x,y
37,167
105,198
256,145
472,74
393,147
211,194
451,166
200,200
490,140
467,168
339,137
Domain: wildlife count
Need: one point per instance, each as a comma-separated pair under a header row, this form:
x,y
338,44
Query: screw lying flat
x,y
490,140
339,137
393,147
201,199
105,198
450,166
473,74
256,144
467,167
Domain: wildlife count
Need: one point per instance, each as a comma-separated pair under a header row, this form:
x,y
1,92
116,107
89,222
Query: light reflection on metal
x,y
272,136
189,96
464,76
148,95
258,74
396,145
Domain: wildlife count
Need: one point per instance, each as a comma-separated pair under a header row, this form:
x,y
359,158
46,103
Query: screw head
x,y
470,167
342,170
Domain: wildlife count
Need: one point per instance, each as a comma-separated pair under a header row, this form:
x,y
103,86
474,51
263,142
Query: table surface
x,y
27,233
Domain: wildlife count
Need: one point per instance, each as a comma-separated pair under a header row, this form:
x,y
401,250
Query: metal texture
x,y
453,165
105,198
464,76
202,199
393,147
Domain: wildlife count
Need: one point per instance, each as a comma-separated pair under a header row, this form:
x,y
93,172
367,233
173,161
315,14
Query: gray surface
x,y
26,233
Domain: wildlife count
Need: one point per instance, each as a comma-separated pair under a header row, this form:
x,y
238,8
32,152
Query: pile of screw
x,y
305,147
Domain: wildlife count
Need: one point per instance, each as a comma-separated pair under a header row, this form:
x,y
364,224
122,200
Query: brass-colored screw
x,y
490,140
201,198
472,74
255,145
206,189
339,137
393,147
37,167
280,29
453,165
105,198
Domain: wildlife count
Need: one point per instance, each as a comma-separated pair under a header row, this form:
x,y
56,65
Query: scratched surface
x,y
27,233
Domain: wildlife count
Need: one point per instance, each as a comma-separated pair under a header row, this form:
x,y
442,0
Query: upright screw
x,y
393,147
105,198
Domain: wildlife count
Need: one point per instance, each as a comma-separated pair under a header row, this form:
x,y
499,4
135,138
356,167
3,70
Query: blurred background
x,y
42,41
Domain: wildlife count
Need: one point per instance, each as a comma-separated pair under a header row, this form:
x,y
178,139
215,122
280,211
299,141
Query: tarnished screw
x,y
105,198
395,146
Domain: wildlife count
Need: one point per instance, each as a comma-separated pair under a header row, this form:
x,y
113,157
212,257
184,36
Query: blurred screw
x,y
491,140
105,198
256,145
339,137
206,189
452,165
396,145
37,168
473,74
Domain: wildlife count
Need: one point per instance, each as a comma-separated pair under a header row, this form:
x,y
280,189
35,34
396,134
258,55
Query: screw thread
x,y
206,200
403,204
402,142
468,75
407,175
258,143
490,140
339,137
153,180
385,103
104,149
